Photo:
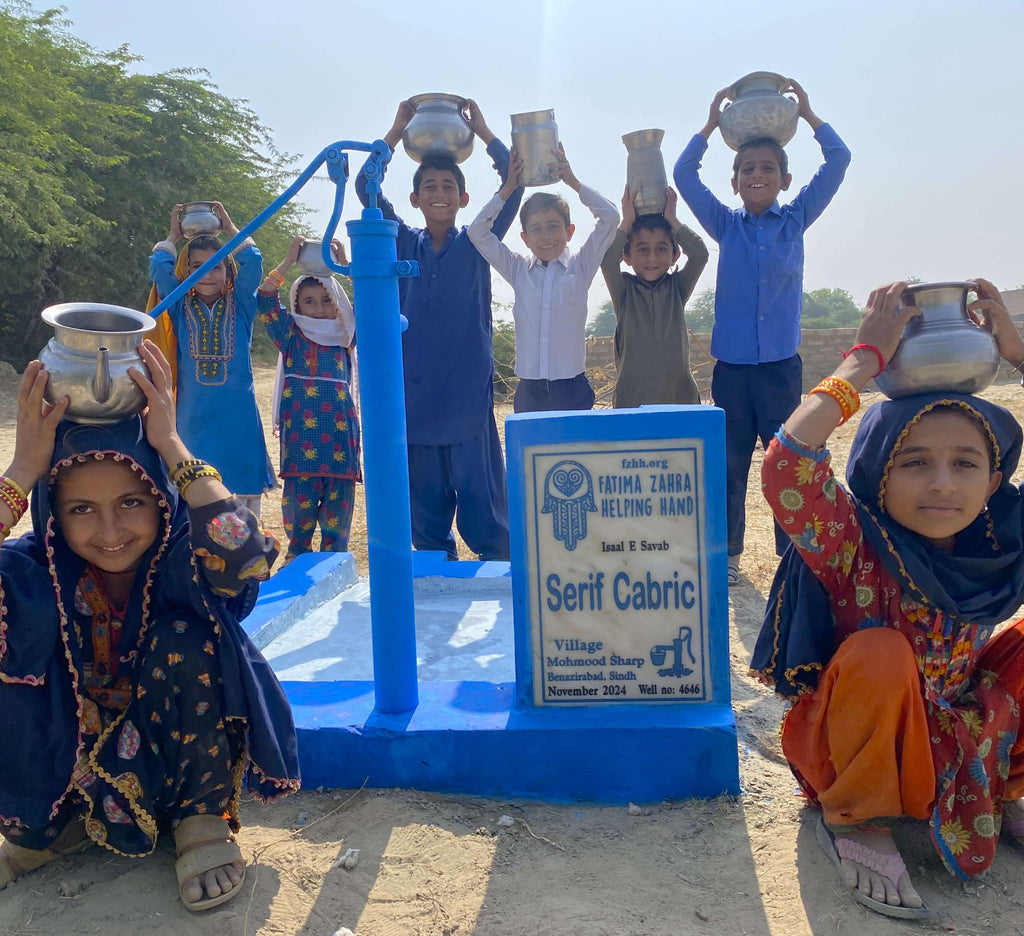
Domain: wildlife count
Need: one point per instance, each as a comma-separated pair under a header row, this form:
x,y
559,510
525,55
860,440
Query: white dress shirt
x,y
550,309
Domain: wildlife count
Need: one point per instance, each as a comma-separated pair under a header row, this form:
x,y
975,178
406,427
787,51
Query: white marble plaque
x,y
617,571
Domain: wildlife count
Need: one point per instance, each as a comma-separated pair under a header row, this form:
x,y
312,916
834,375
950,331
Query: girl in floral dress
x,y
880,620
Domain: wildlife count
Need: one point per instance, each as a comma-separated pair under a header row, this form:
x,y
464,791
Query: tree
x,y
829,308
92,158
503,344
700,312
602,325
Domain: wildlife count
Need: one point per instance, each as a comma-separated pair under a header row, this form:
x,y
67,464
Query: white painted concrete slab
x,y
464,631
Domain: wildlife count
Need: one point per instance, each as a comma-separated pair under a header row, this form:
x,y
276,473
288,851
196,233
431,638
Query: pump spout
x,y
101,382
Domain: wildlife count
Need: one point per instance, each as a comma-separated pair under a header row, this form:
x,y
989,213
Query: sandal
x,y
16,861
889,866
734,570
203,843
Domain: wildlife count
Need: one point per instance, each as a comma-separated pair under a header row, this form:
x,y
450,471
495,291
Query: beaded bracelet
x,y
276,278
874,350
187,463
843,392
194,474
12,494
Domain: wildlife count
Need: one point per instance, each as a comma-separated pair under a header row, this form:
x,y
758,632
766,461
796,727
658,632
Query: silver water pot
x,y
438,128
759,109
88,357
311,259
645,170
942,349
199,217
535,138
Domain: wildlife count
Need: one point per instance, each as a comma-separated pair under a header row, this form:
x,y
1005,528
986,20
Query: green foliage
x,y
503,343
602,325
830,308
92,158
700,312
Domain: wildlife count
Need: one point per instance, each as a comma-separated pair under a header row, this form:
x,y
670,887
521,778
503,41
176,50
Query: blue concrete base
x,y
468,738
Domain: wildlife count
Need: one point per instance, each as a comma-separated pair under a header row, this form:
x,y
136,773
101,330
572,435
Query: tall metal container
x,y
535,137
645,170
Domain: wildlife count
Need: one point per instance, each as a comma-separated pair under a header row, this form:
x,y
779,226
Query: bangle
x,y
843,392
187,463
874,350
13,496
276,278
183,480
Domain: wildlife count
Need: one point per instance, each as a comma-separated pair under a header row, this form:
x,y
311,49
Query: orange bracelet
x,y
843,392
276,278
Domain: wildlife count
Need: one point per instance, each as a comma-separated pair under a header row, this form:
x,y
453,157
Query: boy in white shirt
x,y
551,287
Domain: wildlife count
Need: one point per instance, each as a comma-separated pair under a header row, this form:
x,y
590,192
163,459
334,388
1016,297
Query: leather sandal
x,y
16,861
204,843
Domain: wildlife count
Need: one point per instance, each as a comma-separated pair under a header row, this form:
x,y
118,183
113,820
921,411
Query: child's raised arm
x,y
515,167
989,312
878,336
405,113
275,278
174,235
805,105
476,122
713,112
564,170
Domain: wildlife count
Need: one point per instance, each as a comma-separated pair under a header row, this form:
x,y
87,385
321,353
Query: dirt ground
x,y
432,865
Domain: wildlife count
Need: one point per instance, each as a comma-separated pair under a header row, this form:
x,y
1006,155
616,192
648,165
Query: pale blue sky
x,y
926,95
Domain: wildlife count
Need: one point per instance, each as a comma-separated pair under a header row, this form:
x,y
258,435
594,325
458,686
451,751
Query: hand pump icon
x,y
658,652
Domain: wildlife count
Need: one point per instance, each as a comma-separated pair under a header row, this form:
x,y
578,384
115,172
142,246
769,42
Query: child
x,y
881,613
319,423
455,459
212,325
134,703
759,293
652,345
550,309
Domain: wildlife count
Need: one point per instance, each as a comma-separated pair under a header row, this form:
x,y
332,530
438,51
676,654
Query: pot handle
x,y
101,382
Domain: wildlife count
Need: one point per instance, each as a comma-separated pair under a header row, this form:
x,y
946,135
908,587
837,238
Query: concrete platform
x,y
467,734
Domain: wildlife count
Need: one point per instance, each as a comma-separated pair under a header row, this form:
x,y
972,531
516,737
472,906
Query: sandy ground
x,y
432,865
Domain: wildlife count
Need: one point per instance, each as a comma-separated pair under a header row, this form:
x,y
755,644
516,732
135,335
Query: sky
x,y
926,95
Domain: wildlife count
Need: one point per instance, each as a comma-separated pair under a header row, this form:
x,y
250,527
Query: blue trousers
x,y
542,396
757,399
464,482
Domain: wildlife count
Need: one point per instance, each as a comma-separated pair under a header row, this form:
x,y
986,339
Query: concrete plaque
x,y
616,568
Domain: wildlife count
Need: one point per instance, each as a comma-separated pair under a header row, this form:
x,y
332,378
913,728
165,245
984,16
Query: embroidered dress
x,y
852,568
217,415
142,715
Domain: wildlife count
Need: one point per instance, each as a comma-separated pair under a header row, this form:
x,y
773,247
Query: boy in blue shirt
x,y
759,291
455,459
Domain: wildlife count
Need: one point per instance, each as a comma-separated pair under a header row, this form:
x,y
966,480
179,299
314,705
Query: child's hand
x,y
292,256
804,104
671,200
405,113
159,414
515,168
476,122
628,209
36,427
175,233
227,225
713,112
339,252
564,170
884,319
989,312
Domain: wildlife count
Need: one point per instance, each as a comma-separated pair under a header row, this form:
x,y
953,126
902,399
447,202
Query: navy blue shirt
x,y
447,355
759,291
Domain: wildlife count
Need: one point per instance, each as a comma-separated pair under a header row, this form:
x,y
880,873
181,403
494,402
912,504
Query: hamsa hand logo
x,y
569,497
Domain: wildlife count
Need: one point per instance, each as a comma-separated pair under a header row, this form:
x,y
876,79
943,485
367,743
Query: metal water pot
x,y
645,170
759,109
311,259
535,138
199,218
942,349
438,128
88,357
